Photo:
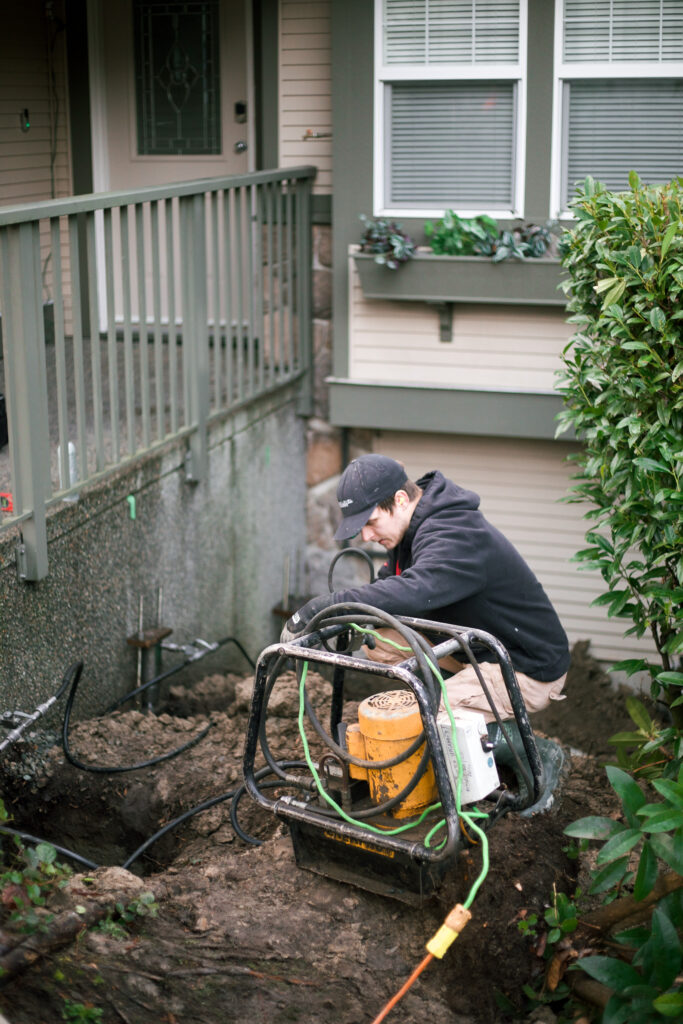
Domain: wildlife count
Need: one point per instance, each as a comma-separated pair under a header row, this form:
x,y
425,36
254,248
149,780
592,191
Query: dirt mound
x,y
242,933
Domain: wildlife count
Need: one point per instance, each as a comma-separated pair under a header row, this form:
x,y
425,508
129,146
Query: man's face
x,y
386,528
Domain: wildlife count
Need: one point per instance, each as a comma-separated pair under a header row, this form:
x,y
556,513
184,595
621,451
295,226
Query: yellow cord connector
x,y
449,931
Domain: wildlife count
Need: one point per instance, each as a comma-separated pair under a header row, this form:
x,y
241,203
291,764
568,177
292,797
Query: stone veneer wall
x,y
325,444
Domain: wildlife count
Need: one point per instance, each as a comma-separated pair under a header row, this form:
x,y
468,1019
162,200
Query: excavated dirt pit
x,y
242,933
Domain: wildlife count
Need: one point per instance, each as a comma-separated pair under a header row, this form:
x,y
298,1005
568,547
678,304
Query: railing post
x,y
304,271
26,387
195,331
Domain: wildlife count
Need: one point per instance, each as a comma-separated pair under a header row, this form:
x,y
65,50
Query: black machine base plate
x,y
367,865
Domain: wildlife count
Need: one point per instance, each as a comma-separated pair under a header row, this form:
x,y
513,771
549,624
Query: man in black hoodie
x,y
447,563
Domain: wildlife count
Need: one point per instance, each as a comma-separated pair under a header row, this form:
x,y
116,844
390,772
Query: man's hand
x,y
286,636
296,625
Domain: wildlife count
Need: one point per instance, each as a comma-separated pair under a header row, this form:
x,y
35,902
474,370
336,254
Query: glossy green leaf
x,y
613,973
647,872
669,236
663,821
638,713
669,849
627,789
670,1005
609,876
593,827
619,844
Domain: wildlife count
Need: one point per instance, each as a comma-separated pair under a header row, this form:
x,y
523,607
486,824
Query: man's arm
x,y
447,567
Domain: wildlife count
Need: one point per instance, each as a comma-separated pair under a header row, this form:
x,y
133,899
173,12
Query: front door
x,y
175,91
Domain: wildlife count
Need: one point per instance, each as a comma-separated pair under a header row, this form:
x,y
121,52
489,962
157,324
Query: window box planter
x,y
431,278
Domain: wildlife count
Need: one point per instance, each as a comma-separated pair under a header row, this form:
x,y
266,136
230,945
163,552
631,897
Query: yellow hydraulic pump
x,y
387,724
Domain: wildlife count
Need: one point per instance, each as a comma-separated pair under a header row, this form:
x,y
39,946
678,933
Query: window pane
x,y
451,144
615,30
177,76
451,31
617,125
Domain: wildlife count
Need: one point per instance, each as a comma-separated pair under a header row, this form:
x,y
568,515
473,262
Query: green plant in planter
x,y
459,236
480,236
386,241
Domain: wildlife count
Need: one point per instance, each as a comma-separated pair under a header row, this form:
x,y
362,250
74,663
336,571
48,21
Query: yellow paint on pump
x,y
387,724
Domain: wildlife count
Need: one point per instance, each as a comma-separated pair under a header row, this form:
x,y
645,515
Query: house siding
x,y
521,485
305,88
28,171
35,165
493,347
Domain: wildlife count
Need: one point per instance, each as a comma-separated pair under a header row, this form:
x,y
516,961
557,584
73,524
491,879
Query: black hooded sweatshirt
x,y
453,566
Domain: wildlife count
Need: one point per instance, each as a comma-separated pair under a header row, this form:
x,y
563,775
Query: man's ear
x,y
401,499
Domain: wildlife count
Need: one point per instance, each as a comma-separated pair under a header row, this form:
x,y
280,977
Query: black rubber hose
x,y
271,761
241,790
176,668
203,807
415,642
350,612
60,849
112,769
359,553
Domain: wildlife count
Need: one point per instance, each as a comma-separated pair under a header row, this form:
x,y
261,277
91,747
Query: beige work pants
x,y
464,689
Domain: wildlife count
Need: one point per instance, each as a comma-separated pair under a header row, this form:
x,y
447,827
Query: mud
x,y
241,932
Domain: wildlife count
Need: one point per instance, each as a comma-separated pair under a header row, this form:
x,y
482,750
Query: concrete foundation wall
x,y
217,551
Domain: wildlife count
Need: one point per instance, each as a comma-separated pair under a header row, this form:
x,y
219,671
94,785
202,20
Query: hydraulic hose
x,y
416,644
359,553
38,713
205,805
75,672
60,849
176,668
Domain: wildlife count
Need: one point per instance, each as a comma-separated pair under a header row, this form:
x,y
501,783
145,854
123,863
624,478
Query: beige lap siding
x,y
520,484
494,347
305,87
35,165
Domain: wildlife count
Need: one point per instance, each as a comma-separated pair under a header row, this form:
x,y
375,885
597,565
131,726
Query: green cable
x,y
466,816
326,796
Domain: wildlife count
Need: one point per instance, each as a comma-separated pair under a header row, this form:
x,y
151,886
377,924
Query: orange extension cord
x,y
437,946
402,991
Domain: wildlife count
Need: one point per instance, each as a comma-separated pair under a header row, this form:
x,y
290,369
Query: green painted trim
x,y
444,410
352,24
432,278
266,27
79,96
539,113
321,209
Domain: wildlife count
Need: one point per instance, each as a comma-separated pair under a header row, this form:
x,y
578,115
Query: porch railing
x,y
132,318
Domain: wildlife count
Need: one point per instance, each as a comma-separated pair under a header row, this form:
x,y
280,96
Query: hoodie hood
x,y
439,493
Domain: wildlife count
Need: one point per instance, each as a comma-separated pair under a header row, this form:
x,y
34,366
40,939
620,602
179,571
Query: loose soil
x,y
241,932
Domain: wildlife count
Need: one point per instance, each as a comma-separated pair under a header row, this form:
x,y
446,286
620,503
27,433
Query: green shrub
x,y
622,385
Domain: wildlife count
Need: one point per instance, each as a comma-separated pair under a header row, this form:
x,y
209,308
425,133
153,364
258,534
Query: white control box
x,y
479,772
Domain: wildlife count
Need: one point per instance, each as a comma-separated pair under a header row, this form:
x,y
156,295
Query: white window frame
x,y
384,73
574,70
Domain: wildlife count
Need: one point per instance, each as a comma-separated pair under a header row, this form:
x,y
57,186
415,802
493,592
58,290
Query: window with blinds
x,y
451,31
449,76
622,30
621,89
616,126
452,143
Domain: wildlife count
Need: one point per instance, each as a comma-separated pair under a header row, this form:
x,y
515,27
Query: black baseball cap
x,y
365,482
